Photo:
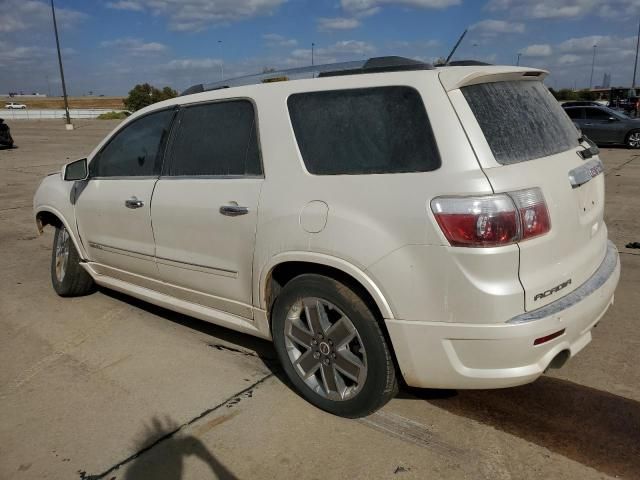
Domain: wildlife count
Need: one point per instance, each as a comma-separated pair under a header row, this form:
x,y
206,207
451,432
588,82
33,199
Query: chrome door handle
x,y
133,202
233,210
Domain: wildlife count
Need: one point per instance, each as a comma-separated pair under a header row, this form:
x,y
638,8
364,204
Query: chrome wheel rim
x,y
62,253
325,349
634,140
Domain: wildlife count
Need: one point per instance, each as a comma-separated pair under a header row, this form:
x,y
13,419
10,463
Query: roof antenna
x,y
455,47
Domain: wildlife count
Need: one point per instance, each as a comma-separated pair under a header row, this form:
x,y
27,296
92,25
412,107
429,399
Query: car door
x,y
113,206
576,114
205,204
602,124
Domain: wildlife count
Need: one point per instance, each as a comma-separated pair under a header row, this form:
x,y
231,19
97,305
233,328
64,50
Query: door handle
x,y
133,202
233,210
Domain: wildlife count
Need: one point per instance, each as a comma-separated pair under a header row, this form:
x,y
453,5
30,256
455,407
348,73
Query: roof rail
x,y
465,63
372,65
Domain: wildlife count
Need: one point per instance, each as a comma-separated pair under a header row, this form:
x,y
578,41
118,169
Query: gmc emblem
x,y
551,291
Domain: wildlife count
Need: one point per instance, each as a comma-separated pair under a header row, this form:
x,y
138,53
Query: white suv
x,y
375,219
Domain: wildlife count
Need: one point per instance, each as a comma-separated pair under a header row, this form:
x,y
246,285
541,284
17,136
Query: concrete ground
x,y
106,386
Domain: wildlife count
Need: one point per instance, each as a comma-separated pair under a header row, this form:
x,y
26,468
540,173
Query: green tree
x,y
143,95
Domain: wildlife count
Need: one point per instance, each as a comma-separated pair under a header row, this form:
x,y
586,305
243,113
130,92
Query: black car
x,y
5,135
606,126
581,103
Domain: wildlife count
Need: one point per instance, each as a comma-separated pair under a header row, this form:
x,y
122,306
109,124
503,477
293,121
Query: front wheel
x,y
332,347
633,139
68,277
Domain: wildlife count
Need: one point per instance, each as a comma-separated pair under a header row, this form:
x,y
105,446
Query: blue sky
x,y
109,46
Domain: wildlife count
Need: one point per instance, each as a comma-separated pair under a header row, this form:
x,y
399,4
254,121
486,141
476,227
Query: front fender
x,y
54,196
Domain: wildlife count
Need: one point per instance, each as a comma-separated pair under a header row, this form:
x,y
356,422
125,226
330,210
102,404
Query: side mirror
x,y
77,170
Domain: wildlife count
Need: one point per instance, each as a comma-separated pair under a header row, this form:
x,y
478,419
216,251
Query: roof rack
x,y
372,65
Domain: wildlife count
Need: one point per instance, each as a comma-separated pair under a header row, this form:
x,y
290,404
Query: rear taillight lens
x,y
534,216
492,220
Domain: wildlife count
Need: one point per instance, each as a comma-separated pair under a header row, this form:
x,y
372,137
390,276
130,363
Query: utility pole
x,y
635,65
593,64
69,125
221,62
313,45
518,62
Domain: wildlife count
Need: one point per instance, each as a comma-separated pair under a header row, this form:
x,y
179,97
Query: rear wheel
x,y
332,347
633,139
68,277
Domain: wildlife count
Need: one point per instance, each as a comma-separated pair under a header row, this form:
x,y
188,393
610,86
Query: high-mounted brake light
x,y
492,220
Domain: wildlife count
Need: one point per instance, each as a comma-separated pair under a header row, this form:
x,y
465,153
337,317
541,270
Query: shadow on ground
x,y
595,428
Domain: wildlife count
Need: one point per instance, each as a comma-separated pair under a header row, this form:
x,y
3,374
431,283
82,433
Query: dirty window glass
x,y
363,131
520,120
136,149
216,139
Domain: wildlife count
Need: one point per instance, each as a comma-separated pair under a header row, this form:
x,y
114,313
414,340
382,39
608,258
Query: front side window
x,y
574,113
136,150
216,139
597,114
520,120
363,131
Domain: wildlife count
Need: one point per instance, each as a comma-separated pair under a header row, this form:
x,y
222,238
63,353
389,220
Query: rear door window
x,y
520,120
363,131
575,113
216,139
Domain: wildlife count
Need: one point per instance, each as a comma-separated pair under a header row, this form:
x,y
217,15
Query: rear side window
x,y
520,120
363,131
136,150
574,113
216,139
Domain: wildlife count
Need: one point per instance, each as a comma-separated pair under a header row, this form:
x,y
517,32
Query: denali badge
x,y
555,289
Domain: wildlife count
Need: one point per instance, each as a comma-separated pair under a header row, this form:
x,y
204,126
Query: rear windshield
x,y
363,131
520,120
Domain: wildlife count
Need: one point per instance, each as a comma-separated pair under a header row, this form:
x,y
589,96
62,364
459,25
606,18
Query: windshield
x,y
520,120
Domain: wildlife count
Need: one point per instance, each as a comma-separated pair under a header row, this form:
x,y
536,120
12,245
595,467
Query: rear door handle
x,y
233,210
133,202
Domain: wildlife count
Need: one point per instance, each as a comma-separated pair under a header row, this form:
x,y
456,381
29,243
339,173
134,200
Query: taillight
x,y
534,215
492,220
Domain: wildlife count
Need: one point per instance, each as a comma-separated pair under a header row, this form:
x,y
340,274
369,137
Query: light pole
x,y
313,45
593,64
635,65
518,62
69,125
221,62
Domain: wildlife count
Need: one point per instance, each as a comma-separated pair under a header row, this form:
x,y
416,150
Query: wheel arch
x,y
284,267
47,215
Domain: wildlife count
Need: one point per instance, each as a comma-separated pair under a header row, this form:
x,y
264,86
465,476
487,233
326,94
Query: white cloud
x,y
337,23
368,7
275,40
603,42
538,50
339,51
548,9
569,59
17,15
135,46
195,15
192,64
494,27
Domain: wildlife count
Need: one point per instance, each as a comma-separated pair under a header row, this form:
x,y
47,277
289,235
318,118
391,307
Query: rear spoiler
x,y
453,78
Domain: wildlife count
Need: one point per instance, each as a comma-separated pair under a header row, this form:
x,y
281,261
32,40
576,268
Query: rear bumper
x,y
449,355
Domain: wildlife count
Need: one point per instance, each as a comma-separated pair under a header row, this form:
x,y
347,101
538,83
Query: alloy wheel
x,y
325,349
62,253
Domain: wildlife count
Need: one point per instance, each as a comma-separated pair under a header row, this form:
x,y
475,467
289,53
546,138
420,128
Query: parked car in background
x,y
5,135
386,218
581,103
606,126
15,106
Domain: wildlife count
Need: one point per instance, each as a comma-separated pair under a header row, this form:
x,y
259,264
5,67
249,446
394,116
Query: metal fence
x,y
48,114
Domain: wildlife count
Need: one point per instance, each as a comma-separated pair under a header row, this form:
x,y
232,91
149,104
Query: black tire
x,y
380,384
633,139
69,279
